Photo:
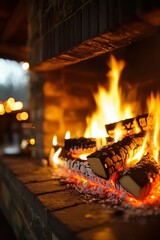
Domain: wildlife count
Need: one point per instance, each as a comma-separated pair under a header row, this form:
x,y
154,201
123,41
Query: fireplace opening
x,y
120,166
68,93
115,170
96,115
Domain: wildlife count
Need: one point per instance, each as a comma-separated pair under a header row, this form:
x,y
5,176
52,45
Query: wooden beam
x,y
53,50
17,17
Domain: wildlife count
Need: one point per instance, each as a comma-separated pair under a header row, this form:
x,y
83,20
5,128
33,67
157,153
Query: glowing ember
x,y
111,107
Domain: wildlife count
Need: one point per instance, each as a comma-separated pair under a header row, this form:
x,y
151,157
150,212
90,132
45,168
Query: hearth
x,y
99,107
82,51
122,166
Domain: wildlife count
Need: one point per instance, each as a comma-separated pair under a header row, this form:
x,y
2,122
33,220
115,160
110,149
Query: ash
x,y
78,175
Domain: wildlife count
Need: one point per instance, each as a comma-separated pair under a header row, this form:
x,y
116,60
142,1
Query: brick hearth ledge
x,y
38,207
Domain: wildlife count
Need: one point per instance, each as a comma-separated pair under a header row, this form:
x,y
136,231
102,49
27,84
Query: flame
x,y
109,102
153,103
118,133
137,128
54,140
83,156
138,156
56,160
111,107
68,135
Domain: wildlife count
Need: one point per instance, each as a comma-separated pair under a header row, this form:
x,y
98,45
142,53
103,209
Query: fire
x,y
112,107
109,104
67,135
53,150
153,103
140,153
54,140
56,160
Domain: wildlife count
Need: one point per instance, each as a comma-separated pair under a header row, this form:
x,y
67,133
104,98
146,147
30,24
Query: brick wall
x,y
37,110
67,101
60,101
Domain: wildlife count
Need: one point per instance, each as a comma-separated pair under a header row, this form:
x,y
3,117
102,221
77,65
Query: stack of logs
x,y
138,179
112,159
143,122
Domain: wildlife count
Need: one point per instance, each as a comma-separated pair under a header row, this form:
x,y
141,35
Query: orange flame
x,y
153,103
112,108
109,104
67,135
54,140
56,160
139,154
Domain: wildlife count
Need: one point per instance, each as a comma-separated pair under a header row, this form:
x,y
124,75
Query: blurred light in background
x,y
14,82
25,65
23,116
14,104
2,110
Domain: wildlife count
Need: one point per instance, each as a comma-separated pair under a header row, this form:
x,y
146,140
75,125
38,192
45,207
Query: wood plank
x,y
45,187
119,230
60,200
63,213
86,216
16,196
29,170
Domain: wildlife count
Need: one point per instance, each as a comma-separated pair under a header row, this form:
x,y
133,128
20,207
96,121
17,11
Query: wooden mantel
x,y
38,207
66,32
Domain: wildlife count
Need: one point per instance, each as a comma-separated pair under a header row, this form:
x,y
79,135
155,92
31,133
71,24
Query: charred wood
x,y
110,159
138,179
143,122
79,144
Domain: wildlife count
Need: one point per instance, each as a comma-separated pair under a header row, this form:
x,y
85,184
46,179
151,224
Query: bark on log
x,y
144,122
79,144
110,159
138,179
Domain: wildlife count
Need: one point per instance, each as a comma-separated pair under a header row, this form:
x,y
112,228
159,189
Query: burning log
x,y
110,159
138,179
143,122
63,153
80,145
82,168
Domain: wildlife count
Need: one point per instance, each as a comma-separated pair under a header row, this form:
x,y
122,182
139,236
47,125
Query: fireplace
x,y
66,34
66,96
70,66
71,45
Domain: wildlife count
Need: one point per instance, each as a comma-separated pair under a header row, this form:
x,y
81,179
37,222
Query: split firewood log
x,y
111,158
138,179
144,122
79,146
